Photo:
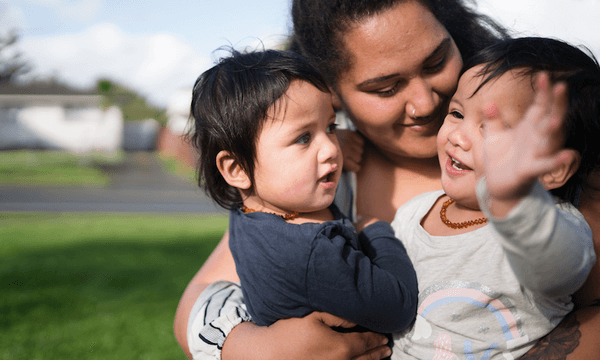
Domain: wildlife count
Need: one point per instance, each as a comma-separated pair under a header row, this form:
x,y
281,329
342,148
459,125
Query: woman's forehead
x,y
398,40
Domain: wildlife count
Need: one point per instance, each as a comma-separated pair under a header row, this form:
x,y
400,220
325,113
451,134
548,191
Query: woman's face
x,y
404,70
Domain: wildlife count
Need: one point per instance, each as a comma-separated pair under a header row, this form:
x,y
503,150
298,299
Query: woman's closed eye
x,y
388,92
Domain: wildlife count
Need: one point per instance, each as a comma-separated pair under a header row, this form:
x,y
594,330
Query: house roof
x,y
42,88
46,93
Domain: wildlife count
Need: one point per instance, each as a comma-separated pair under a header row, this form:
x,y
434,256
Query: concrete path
x,y
139,184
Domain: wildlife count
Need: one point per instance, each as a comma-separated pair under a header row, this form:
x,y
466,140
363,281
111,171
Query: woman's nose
x,y
422,102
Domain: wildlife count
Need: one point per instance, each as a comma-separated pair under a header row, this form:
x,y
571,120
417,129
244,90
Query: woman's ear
x,y
232,172
559,176
335,99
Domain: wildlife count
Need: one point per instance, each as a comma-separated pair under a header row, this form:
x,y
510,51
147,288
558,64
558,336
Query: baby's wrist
x,y
500,203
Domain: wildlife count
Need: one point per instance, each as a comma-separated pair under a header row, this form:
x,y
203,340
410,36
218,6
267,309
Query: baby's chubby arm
x,y
549,249
375,287
513,158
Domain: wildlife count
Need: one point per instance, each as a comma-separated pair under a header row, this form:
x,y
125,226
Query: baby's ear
x,y
559,176
232,172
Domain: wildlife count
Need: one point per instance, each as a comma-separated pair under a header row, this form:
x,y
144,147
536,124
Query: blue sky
x,y
203,24
160,47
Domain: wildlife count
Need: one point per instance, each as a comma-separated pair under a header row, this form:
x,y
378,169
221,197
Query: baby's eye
x,y
303,139
456,114
331,128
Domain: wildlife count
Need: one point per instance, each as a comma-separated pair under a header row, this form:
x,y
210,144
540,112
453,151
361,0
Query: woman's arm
x,y
588,297
589,205
310,337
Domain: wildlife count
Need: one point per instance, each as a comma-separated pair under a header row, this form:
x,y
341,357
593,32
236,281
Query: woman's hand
x,y
352,145
310,337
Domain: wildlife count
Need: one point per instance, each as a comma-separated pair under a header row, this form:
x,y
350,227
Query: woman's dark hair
x,y
579,70
319,26
230,103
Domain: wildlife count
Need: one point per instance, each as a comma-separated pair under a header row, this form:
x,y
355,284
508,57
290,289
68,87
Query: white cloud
x,y
155,66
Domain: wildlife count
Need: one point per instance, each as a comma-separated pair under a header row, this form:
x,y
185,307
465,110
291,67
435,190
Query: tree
x,y
132,105
12,64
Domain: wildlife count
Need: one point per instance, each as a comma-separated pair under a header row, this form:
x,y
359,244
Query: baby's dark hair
x,y
231,102
566,63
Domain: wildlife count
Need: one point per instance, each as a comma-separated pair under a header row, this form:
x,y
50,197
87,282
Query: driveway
x,y
139,184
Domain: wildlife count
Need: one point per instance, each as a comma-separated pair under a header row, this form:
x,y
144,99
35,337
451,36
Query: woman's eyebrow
x,y
443,46
376,80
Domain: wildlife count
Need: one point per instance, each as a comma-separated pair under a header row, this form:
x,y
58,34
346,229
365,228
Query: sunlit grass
x,y
97,286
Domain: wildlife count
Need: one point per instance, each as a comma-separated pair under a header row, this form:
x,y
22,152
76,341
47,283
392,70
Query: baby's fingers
x,y
352,165
551,126
550,103
560,104
357,144
352,145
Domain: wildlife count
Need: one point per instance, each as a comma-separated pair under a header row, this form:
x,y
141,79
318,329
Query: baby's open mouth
x,y
328,178
458,165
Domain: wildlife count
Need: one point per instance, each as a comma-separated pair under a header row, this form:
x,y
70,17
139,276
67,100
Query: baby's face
x,y
298,158
460,138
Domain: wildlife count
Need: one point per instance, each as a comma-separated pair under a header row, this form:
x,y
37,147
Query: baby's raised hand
x,y
513,157
352,145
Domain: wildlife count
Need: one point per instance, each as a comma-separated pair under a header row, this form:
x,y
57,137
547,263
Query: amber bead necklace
x,y
461,225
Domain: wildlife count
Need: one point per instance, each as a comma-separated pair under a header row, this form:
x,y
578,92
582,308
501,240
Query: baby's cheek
x,y
297,184
478,158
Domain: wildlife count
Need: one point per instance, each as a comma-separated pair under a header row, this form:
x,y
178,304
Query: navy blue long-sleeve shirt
x,y
290,270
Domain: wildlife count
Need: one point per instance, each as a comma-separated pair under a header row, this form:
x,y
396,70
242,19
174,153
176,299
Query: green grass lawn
x,y
55,168
97,286
63,168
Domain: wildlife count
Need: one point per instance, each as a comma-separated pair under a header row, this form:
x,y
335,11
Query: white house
x,y
56,117
178,111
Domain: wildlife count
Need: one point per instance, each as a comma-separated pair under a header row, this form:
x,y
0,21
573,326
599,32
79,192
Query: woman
x,y
392,65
